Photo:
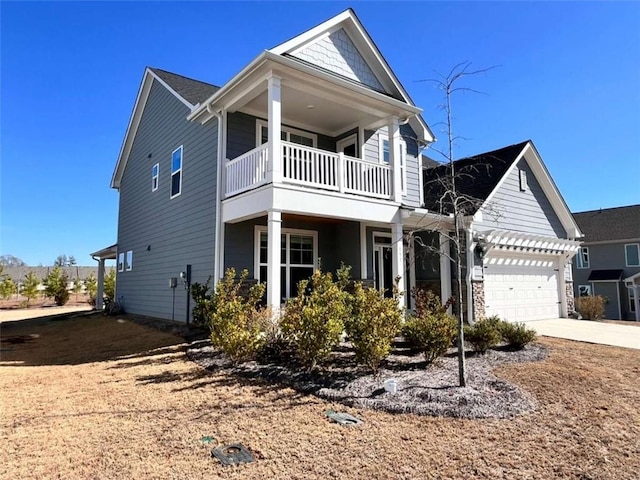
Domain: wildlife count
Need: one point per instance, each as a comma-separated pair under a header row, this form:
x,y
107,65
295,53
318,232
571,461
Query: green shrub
x,y
430,333
314,319
109,289
57,286
238,325
7,288
591,307
29,288
483,335
517,335
373,323
91,287
427,302
201,298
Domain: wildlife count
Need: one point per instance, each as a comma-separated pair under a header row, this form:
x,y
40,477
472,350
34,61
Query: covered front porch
x,y
376,252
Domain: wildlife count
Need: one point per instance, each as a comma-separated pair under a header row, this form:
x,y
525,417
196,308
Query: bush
x,y
483,335
238,325
57,286
91,287
109,286
314,319
29,288
591,308
431,330
201,298
517,335
373,324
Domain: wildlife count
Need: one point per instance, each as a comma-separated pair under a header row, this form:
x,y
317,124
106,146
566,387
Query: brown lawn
x,y
97,397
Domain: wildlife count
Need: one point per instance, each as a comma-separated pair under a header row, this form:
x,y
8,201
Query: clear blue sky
x,y
569,79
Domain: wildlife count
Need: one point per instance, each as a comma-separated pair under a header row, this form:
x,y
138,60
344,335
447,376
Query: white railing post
x,y
342,172
274,128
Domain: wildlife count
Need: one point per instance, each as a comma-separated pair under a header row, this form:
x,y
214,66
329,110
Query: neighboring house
x,y
608,263
315,143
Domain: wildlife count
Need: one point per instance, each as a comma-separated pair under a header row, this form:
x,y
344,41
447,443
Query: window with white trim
x,y
129,261
155,173
176,172
287,134
584,290
582,258
385,157
298,257
632,254
121,262
632,303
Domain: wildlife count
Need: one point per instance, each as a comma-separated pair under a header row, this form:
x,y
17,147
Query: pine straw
x,y
94,397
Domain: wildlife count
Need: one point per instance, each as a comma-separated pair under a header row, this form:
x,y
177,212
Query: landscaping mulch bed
x,y
422,389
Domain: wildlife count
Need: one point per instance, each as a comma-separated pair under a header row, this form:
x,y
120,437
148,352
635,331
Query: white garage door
x,y
521,289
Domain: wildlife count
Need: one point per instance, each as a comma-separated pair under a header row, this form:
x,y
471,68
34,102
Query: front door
x,y
382,264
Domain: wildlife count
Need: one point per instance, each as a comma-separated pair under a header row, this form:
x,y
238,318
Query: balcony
x,y
312,168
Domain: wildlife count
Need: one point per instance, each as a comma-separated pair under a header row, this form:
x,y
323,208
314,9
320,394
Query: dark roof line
x,y
192,90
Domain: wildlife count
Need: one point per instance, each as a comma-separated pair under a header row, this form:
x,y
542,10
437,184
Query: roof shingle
x,y
193,91
619,223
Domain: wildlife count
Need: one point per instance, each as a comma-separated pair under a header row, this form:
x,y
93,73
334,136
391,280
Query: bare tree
x,y
11,261
450,201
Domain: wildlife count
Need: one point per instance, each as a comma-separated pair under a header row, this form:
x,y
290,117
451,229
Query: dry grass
x,y
94,397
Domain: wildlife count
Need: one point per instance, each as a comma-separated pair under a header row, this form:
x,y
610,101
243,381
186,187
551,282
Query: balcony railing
x,y
310,167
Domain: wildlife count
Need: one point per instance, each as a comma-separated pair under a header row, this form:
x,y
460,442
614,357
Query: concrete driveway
x,y
627,336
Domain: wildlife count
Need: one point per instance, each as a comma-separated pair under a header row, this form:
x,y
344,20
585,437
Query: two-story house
x,y
312,155
608,262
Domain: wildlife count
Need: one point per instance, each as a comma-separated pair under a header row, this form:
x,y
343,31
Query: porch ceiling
x,y
314,111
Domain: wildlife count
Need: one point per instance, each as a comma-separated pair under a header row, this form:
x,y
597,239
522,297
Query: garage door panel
x,y
521,289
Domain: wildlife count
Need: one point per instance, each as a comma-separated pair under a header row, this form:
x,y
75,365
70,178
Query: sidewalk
x,y
627,336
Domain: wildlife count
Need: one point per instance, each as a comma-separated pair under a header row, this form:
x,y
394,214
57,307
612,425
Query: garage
x,y
521,288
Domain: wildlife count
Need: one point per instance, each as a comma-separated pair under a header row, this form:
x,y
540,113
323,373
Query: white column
x,y
636,301
397,251
274,172
363,251
394,158
445,268
100,292
274,229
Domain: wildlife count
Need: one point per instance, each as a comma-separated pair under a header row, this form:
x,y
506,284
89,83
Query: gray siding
x,y
338,242
166,234
609,256
529,211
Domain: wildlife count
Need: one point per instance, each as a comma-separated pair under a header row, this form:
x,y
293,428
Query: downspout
x,y
471,245
219,162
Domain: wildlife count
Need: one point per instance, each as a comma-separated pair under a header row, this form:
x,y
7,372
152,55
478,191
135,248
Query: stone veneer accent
x,y
477,290
337,53
571,307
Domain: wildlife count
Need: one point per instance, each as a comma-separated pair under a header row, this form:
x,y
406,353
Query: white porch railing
x,y
310,167
247,171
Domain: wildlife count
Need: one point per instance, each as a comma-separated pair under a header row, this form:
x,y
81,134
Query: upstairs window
x,y
155,172
129,261
121,262
385,157
632,254
582,258
176,172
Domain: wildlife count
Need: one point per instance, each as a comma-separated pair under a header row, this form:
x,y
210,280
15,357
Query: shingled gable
x,y
480,177
610,224
189,91
363,54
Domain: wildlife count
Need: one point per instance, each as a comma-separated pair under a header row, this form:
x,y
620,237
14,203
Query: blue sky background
x,y
569,79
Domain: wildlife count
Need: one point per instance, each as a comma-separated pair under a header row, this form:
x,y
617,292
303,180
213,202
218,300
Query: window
x,y
155,171
298,257
121,262
632,254
584,290
287,134
176,172
582,259
523,180
632,303
129,261
385,157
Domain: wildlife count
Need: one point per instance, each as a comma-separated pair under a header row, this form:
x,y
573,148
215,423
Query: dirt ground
x,y
17,302
106,398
